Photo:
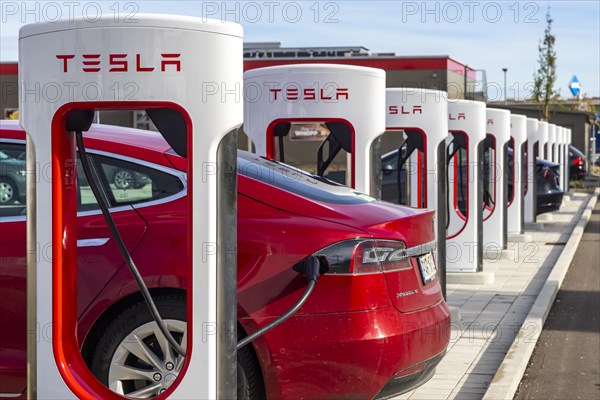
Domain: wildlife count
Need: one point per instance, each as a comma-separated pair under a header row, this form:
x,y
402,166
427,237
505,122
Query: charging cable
x,y
310,268
91,174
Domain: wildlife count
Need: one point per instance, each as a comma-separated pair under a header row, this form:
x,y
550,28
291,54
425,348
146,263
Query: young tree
x,y
545,77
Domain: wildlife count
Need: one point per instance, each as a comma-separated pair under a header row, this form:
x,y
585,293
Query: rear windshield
x,y
297,181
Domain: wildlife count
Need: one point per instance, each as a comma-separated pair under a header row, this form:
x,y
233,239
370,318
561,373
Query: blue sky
x,y
487,35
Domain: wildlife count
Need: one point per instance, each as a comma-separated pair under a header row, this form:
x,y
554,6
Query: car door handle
x,y
95,242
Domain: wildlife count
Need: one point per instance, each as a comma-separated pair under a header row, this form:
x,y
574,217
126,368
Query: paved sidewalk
x,y
492,315
569,345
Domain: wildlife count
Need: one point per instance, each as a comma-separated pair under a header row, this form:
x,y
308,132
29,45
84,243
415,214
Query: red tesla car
x,y
375,325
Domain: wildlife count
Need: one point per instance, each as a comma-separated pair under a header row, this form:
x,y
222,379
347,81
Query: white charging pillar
x,y
567,160
158,62
543,130
551,148
560,138
420,115
349,97
533,148
466,124
517,174
495,190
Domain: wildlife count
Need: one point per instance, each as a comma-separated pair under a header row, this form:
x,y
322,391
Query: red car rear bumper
x,y
352,355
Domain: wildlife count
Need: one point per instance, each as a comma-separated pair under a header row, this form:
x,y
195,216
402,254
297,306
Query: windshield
x,y
297,181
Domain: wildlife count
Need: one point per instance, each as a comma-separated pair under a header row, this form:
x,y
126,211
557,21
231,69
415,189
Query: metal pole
x,y
466,82
504,70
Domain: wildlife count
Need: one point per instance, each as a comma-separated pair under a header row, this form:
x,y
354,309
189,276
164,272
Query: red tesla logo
x,y
393,110
459,116
120,62
490,121
293,94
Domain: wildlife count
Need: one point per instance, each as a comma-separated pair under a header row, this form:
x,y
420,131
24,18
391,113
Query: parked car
x,y
548,192
576,163
12,178
124,178
375,325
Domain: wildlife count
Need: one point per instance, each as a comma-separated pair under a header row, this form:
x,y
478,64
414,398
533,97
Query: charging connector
x,y
310,268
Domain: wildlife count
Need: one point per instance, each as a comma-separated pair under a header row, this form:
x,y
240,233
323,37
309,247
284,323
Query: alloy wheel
x,y
144,364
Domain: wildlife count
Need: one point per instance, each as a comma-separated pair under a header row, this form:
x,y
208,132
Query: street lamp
x,y
504,70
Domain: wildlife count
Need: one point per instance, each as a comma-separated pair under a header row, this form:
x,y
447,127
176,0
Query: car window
x,y
126,183
297,181
390,163
12,179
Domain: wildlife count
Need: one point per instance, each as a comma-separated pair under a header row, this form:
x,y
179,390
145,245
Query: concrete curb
x,y
510,372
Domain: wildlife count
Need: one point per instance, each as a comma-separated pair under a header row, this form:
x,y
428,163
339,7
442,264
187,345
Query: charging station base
x,y
495,254
519,238
534,226
455,314
470,278
545,218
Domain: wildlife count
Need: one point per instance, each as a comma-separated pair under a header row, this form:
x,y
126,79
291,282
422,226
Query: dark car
x,y
124,178
12,178
576,163
549,194
389,180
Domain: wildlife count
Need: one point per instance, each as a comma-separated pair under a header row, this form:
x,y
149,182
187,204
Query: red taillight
x,y
365,256
578,161
546,173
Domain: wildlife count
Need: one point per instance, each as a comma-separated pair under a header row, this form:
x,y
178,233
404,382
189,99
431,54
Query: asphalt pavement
x,y
566,361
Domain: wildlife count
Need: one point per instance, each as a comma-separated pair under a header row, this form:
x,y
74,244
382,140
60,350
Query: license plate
x,y
427,267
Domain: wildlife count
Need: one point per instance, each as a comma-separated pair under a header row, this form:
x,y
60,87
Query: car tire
x,y
249,378
134,330
123,179
137,319
8,191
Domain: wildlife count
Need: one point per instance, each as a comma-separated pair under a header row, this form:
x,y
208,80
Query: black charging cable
x,y
95,183
310,269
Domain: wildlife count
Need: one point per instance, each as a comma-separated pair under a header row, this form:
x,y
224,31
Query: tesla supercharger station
x,y
517,175
543,139
348,100
560,154
545,129
466,125
161,64
533,149
419,115
495,181
551,147
564,164
567,159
